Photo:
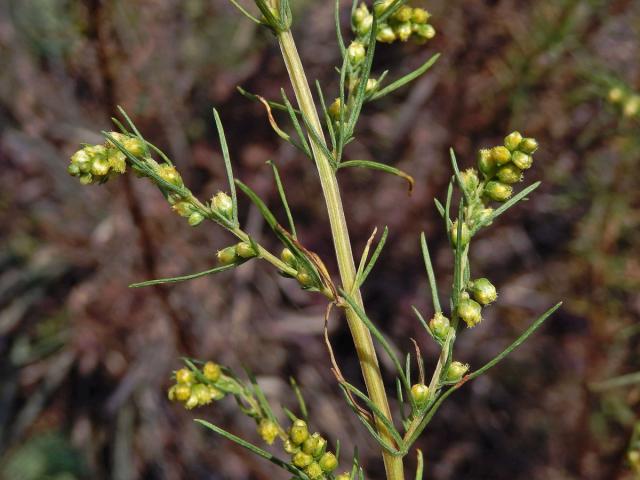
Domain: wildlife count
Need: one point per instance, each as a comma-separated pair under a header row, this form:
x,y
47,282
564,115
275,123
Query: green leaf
x,y
257,98
515,199
327,117
381,167
227,166
401,82
245,12
420,467
254,449
430,273
338,29
301,403
136,131
184,278
293,114
374,258
456,170
283,198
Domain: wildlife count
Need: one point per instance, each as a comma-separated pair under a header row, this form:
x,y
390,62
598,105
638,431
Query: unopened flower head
x,y
211,371
509,174
483,291
420,394
456,371
498,191
470,312
223,204
439,326
465,234
298,432
268,431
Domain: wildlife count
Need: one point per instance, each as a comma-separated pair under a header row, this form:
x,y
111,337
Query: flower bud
x,y
203,395
343,476
100,167
211,371
486,164
381,6
420,15
483,217
420,394
227,256
321,446
470,311
385,34
195,219
304,279
356,52
466,234
522,160
328,462
191,403
372,86
425,31
268,431
439,326
185,376
365,25
483,291
509,173
215,393
289,258
184,209
223,204
615,95
134,146
631,106
310,444
314,471
512,141
470,180
334,109
360,14
501,155
182,392
403,14
456,371
86,179
498,191
169,174
403,31
245,250
289,447
299,432
528,145
302,460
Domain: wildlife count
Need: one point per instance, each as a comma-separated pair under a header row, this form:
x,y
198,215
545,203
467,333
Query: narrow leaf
x,y
382,167
401,82
227,166
183,278
515,199
430,274
283,198
374,257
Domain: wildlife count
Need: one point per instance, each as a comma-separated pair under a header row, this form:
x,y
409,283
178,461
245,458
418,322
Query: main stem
x,y
361,335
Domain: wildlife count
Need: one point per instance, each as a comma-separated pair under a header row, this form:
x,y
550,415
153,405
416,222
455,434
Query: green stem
x,y
346,265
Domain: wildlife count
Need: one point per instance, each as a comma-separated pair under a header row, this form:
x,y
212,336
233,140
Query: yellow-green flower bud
x,y
420,15
385,34
195,219
223,204
328,462
314,471
182,392
509,173
483,291
631,106
364,26
268,431
528,145
184,209
486,163
289,258
615,95
439,326
100,167
245,250
215,393
470,179
522,160
211,371
420,394
134,146
334,109
343,476
202,394
191,403
304,279
403,14
372,86
227,256
290,447
381,6
456,371
512,141
169,174
360,14
424,31
310,444
465,234
356,52
321,446
484,216
299,432
185,376
470,312
501,155
498,191
302,460
403,31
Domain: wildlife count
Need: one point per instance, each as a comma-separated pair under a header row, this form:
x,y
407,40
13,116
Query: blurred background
x,y
86,361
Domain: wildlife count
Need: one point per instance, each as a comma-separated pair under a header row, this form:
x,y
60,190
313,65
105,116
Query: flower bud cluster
x,y
309,451
479,294
99,163
626,99
302,276
503,165
403,24
196,390
236,253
